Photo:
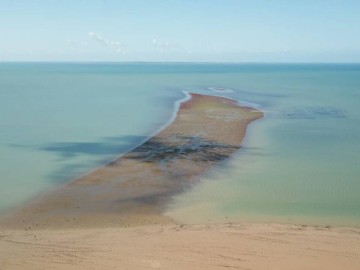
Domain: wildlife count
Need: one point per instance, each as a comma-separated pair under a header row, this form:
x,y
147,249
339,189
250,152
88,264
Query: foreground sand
x,y
247,246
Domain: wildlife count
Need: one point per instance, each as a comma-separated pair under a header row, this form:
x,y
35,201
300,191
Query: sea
x,y
299,164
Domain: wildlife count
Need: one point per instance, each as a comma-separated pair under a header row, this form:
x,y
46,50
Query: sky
x,y
180,30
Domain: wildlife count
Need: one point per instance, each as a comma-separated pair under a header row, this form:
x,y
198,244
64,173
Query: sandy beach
x,y
112,218
225,246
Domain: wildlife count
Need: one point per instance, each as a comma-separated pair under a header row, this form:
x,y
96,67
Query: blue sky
x,y
180,30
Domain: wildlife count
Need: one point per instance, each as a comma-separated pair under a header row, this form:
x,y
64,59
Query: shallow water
x,y
298,164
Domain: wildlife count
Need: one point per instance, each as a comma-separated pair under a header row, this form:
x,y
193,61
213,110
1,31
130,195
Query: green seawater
x,y
298,164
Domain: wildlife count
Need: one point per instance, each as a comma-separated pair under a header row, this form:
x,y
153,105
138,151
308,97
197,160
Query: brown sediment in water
x,y
134,189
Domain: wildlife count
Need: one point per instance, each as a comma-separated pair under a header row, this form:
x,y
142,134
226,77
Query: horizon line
x,y
174,62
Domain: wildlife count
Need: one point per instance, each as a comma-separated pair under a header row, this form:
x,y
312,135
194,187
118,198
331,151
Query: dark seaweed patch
x,y
182,147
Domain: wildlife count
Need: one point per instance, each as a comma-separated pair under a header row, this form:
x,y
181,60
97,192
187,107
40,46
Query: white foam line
x,y
220,90
174,113
249,104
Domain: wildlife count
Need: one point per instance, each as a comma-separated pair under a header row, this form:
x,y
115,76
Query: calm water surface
x,y
298,164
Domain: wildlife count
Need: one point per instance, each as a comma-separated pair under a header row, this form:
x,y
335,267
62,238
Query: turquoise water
x,y
300,163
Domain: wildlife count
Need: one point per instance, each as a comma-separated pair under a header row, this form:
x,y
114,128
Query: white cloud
x,y
114,45
162,45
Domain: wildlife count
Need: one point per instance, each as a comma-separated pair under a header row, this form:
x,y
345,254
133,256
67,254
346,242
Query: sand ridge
x,y
135,188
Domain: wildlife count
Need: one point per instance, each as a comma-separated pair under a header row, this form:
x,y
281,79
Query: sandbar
x,y
135,188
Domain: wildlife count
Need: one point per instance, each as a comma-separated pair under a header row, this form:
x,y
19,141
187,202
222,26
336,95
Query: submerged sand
x,y
81,225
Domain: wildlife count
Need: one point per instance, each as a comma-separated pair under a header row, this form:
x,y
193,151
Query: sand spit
x,y
134,189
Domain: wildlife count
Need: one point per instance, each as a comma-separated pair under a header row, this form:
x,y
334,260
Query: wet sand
x,y
135,188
